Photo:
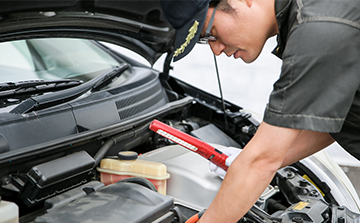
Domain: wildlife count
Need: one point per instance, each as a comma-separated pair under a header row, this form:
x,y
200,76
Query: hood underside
x,y
138,24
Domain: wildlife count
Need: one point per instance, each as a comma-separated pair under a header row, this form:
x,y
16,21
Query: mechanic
x,y
315,101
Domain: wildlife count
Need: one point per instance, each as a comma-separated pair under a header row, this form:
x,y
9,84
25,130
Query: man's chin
x,y
249,58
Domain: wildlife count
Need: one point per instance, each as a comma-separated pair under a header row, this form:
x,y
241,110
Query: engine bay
x,y
85,181
70,188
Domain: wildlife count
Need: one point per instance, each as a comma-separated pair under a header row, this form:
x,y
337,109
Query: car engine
x,y
82,178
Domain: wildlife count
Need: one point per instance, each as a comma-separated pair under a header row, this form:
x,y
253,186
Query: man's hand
x,y
232,153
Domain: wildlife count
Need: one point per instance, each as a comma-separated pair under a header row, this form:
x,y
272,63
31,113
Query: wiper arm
x,y
15,92
39,84
48,100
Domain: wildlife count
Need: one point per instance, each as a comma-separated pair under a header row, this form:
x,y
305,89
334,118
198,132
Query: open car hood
x,y
138,25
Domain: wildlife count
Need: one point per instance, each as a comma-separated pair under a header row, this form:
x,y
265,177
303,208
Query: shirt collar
x,y
281,12
281,6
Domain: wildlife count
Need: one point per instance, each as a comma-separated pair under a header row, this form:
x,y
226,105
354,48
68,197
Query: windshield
x,y
52,59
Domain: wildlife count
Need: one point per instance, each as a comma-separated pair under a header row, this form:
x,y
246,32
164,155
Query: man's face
x,y
243,31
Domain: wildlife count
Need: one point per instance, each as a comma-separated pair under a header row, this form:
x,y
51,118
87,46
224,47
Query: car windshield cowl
x,y
49,100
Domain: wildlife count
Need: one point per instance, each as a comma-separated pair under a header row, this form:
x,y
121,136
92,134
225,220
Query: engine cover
x,y
119,202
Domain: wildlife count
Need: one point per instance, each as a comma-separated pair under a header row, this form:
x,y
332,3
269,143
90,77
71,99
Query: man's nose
x,y
217,47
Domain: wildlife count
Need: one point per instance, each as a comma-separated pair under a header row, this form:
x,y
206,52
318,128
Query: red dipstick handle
x,y
200,147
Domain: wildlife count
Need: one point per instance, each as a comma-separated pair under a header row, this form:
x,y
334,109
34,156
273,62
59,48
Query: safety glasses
x,y
208,35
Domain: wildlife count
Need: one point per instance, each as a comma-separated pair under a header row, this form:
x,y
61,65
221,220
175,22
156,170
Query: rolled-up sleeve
x,y
319,78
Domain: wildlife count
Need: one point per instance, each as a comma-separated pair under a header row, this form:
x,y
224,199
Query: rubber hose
x,y
114,139
141,181
276,206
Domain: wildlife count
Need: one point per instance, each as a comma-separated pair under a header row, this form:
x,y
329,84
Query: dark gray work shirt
x,y
318,89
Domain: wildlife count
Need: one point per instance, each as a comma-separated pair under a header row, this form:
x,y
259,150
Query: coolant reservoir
x,y
127,165
9,212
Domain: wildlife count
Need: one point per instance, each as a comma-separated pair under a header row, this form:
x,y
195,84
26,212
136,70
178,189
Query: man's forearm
x,y
250,173
240,189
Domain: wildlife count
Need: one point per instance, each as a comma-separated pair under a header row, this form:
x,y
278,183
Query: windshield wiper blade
x,y
15,92
25,89
39,84
49,100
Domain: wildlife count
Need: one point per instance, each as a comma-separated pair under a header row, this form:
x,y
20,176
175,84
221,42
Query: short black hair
x,y
214,3
223,5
